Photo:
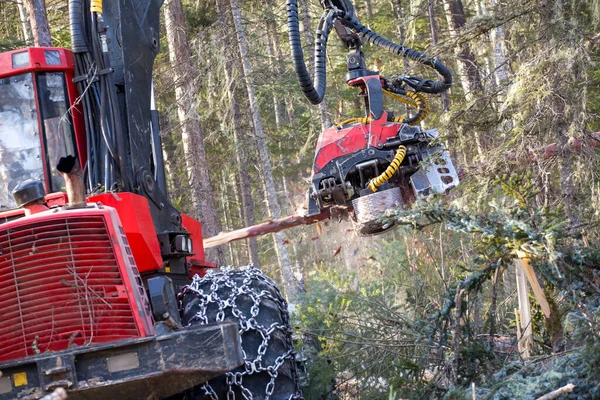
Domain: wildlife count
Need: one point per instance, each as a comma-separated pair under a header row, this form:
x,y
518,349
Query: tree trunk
x,y
232,69
468,72
274,62
434,39
264,156
186,88
39,22
25,25
467,66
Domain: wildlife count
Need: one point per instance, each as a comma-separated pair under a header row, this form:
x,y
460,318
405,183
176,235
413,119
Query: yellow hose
x,y
389,171
96,6
423,106
401,99
418,101
365,120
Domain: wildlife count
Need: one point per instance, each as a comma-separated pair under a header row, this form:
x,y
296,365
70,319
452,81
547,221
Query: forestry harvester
x,y
366,166
103,290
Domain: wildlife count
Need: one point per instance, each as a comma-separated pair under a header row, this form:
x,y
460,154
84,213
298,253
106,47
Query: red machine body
x,y
68,279
72,277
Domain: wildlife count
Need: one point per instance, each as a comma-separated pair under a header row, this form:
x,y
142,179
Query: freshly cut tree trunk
x,y
264,156
186,89
264,228
38,19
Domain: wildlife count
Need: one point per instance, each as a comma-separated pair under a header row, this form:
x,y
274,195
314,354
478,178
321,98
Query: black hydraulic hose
x,y
373,38
78,36
314,92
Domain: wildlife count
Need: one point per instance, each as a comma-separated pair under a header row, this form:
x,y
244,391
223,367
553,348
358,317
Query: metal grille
x,y
60,286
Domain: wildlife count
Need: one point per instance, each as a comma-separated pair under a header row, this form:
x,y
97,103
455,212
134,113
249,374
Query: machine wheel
x,y
249,297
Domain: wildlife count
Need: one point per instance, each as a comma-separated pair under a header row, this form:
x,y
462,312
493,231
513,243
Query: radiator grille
x,y
60,286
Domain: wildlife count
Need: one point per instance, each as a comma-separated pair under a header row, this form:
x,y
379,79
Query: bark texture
x,y
467,66
186,88
240,139
39,22
434,39
25,25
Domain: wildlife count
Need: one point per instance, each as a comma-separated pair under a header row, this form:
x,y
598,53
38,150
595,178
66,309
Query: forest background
x,y
429,310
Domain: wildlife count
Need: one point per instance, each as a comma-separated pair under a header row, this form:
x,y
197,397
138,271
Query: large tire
x,y
249,297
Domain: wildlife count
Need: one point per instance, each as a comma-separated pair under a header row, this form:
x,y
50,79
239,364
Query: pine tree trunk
x,y
38,19
468,72
264,156
467,66
434,40
25,25
274,53
186,88
244,185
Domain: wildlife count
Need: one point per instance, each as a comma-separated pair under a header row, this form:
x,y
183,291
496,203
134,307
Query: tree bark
x,y
467,66
25,25
264,156
38,19
186,88
468,72
434,39
272,226
232,69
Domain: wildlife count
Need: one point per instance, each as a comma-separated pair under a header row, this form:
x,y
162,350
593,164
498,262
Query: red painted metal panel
x,y
198,262
335,142
65,280
135,216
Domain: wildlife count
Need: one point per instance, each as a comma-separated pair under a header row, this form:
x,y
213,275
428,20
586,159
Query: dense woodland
x,y
430,309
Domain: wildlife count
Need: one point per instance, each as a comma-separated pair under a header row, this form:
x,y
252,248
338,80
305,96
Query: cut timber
x,y
524,329
272,226
558,392
534,282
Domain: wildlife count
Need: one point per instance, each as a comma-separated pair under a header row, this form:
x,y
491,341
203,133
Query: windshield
x,y
58,129
20,146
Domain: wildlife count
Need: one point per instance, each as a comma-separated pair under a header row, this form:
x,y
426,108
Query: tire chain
x,y
250,273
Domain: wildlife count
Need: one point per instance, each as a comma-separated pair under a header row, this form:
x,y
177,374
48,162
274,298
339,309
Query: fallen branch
x,y
558,392
264,228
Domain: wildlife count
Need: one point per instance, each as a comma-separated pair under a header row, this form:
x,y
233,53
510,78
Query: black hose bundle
x,y
422,85
106,153
315,92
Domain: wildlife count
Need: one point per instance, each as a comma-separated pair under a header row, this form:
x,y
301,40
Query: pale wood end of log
x,y
558,392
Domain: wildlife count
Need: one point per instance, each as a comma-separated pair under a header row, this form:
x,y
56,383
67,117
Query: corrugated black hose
x,y
314,92
420,85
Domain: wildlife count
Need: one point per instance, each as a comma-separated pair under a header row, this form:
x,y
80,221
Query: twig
x,y
558,392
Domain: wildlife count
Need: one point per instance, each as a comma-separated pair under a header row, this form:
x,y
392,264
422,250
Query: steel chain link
x,y
223,278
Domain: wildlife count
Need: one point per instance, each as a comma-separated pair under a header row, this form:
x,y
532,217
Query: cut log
x,y
272,226
558,392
